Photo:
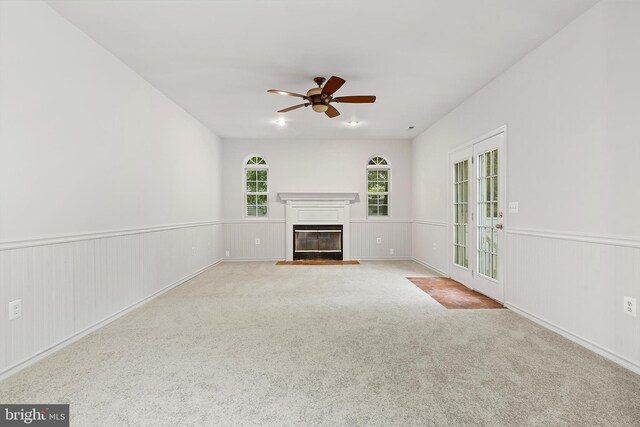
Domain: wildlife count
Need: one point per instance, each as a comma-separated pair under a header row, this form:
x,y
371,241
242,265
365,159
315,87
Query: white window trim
x,y
246,193
387,168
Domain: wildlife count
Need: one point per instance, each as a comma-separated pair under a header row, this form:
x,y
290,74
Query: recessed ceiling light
x,y
353,123
280,122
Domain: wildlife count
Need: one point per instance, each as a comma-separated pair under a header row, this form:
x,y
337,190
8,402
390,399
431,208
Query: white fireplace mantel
x,y
318,208
297,197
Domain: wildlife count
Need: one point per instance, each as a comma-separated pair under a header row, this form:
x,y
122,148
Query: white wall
x,y
109,192
317,166
320,166
571,107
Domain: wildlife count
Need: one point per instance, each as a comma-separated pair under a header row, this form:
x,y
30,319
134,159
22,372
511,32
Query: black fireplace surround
x,y
317,242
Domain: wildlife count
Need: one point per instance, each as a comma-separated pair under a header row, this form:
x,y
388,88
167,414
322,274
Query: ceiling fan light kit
x,y
321,97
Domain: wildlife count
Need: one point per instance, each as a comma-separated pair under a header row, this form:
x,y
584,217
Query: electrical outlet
x,y
434,245
257,240
379,240
227,253
391,251
15,309
630,306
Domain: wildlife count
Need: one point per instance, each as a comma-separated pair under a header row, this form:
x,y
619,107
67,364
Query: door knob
x,y
499,226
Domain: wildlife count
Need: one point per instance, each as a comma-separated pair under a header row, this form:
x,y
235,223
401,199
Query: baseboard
x,y
382,258
429,266
80,334
616,358
257,259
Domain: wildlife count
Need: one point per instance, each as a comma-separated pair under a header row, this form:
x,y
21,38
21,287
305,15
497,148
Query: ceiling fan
x,y
321,97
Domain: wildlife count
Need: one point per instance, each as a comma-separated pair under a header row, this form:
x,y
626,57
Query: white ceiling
x,y
218,58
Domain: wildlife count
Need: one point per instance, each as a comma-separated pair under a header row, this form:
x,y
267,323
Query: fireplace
x,y
322,211
317,242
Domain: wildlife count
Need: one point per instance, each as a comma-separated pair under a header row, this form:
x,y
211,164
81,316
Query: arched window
x,y
378,189
256,187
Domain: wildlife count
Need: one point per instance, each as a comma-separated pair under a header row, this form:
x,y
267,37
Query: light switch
x,y
513,207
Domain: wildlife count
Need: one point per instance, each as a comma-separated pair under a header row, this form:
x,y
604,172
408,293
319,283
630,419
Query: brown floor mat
x,y
452,294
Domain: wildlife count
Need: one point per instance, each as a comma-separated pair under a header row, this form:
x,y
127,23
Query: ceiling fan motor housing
x,y
316,98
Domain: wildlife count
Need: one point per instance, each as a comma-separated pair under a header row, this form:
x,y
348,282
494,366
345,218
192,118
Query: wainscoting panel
x,y
430,244
240,239
394,235
577,285
72,283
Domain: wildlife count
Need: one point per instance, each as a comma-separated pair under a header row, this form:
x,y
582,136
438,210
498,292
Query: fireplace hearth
x,y
317,242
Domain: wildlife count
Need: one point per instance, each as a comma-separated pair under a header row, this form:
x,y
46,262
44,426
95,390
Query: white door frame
x,y
505,170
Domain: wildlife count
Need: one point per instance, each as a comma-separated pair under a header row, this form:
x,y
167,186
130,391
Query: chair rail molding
x,y
77,237
431,222
603,239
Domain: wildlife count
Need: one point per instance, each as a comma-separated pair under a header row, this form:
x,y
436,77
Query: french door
x,y
477,220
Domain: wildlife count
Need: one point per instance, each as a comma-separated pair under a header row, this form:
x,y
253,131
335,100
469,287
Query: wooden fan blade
x,y
283,92
332,85
332,112
292,108
355,99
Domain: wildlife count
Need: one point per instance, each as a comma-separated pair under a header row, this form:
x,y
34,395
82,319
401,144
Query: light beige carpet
x,y
259,344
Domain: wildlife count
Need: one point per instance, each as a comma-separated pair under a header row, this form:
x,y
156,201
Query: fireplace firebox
x,y
317,242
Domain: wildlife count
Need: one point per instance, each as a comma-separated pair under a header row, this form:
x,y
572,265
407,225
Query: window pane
x,y
377,187
487,164
378,161
256,182
495,162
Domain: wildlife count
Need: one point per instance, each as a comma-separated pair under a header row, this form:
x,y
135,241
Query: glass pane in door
x,y
461,213
488,214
